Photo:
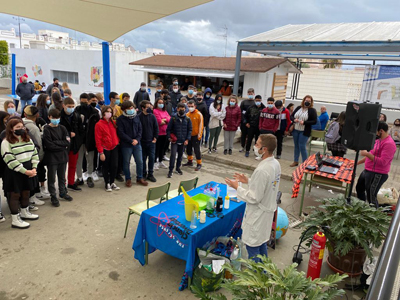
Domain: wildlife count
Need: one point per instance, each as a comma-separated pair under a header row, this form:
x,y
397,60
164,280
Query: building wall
x,y
40,65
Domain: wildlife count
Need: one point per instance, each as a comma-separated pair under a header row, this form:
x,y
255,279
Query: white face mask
x,y
175,90
256,151
191,109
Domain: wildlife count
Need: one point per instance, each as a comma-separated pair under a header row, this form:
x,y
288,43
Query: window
x,y
69,77
12,45
21,70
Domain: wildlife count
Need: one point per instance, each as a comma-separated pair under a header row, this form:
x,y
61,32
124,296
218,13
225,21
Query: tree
x,y
3,53
332,63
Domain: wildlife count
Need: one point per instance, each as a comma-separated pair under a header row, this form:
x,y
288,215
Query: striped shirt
x,y
301,115
14,155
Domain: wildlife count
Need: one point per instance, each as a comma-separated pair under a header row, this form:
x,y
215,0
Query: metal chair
x,y
155,193
317,139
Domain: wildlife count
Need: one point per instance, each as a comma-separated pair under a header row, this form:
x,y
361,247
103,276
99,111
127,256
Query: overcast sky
x,y
199,30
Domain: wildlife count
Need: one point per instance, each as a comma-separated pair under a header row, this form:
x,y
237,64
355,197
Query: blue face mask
x,y
258,103
232,103
251,97
117,102
161,106
130,112
48,102
101,103
55,121
11,110
159,91
270,106
70,110
190,92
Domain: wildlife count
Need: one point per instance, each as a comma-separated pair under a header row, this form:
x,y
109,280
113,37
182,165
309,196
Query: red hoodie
x,y
106,135
269,119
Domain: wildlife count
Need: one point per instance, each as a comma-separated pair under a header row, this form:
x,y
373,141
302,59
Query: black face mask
x,y
165,98
101,102
199,99
181,112
149,110
94,104
19,132
307,104
84,104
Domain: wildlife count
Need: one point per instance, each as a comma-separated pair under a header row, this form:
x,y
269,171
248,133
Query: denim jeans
x,y
148,151
23,104
127,152
300,144
254,251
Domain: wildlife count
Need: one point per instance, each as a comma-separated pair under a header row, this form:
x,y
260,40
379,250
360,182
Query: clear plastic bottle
x,y
193,222
235,253
226,203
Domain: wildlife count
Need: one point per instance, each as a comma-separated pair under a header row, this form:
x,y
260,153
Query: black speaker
x,y
359,131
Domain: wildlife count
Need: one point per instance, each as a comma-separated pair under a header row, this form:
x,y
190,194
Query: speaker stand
x,y
353,177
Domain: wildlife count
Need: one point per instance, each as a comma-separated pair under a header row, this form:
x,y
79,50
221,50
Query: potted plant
x,y
353,229
264,280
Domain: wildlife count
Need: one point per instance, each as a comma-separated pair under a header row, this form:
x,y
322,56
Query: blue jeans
x,y
127,153
148,151
254,251
300,144
23,104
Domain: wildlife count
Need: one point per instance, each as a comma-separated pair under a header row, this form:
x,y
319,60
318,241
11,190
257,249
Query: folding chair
x,y
155,193
187,185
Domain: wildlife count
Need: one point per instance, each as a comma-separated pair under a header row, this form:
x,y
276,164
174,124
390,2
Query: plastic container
x,y
226,203
202,200
193,222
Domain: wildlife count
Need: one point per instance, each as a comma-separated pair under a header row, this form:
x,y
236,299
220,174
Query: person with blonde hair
x,y
9,107
65,86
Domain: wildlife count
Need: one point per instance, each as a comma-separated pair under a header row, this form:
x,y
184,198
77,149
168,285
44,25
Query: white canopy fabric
x,y
188,72
104,19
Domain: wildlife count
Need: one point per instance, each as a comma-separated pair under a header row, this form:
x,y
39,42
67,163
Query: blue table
x,y
164,227
16,97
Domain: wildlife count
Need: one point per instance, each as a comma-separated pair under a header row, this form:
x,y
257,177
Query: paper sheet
x,y
217,265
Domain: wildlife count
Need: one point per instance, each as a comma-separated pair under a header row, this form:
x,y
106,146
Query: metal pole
x,y
13,74
106,71
353,177
385,272
19,28
237,70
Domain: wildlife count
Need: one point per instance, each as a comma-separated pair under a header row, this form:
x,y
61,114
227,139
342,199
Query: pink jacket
x,y
161,114
383,151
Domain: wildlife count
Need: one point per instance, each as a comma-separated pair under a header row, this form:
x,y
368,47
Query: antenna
x,y
19,29
225,36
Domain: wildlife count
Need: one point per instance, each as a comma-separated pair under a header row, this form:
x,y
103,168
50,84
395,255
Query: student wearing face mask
x,y
42,103
283,129
159,89
141,95
56,143
100,100
269,118
9,107
377,166
176,96
72,121
191,93
244,106
21,158
93,102
252,117
163,118
149,139
231,124
203,109
174,82
217,116
129,131
107,145
394,131
303,117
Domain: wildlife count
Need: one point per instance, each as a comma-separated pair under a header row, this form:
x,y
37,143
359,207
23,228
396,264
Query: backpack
x,y
332,135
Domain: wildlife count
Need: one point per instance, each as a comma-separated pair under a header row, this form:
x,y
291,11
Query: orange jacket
x,y
197,123
225,91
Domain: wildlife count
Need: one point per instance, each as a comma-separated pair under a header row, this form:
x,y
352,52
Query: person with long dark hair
x,y
42,103
163,118
106,142
337,148
217,116
21,157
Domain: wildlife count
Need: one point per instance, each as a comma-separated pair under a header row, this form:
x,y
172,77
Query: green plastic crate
x,y
202,200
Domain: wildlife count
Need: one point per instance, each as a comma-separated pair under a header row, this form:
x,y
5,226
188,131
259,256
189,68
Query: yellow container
x,y
190,206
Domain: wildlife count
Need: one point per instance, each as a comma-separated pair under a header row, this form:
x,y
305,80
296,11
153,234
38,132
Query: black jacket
x,y
175,98
312,119
149,127
44,114
50,87
25,91
90,118
73,123
140,96
244,106
181,127
55,144
203,109
128,129
252,115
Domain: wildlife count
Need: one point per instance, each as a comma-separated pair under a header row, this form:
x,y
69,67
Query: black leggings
x,y
110,165
15,199
369,183
160,147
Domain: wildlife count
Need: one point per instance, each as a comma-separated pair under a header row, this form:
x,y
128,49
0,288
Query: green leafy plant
x,y
3,53
264,280
351,226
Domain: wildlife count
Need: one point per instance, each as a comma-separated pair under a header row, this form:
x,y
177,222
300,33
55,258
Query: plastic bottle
x,y
193,221
220,204
203,216
229,244
226,203
235,253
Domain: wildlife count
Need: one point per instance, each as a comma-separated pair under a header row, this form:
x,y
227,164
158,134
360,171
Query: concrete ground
x,y
77,251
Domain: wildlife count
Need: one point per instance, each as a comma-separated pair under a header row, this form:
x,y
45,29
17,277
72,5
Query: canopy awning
x,y
104,19
187,72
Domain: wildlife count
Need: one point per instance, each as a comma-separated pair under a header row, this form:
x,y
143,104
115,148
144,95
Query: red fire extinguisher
x,y
316,255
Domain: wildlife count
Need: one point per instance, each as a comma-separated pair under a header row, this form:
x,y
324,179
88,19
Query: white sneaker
x,y
108,188
114,187
42,196
2,218
44,191
26,214
95,177
165,158
35,201
17,222
184,155
156,166
32,208
85,176
163,166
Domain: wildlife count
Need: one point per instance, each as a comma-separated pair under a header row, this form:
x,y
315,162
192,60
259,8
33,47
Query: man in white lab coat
x,y
260,197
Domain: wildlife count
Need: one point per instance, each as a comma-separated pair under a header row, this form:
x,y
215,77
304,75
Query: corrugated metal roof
x,y
335,32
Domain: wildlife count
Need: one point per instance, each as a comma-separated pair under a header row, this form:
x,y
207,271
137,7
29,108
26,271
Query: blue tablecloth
x,y
16,97
165,228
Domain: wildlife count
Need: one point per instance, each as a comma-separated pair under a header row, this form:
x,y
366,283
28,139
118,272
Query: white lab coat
x,y
260,198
